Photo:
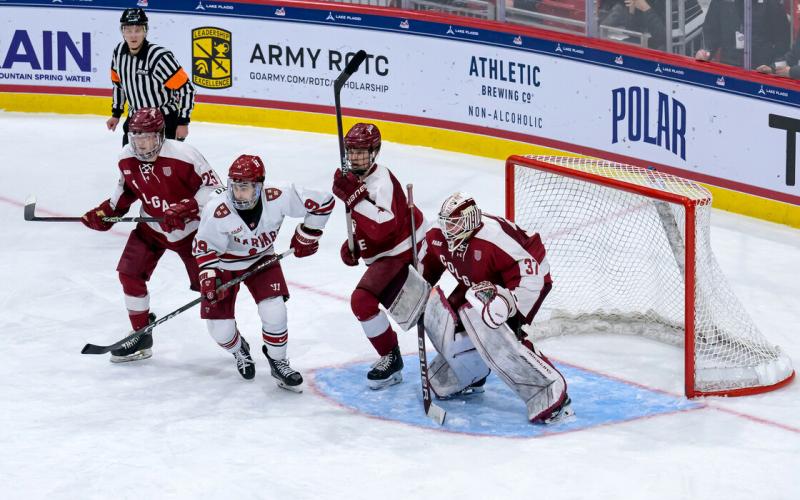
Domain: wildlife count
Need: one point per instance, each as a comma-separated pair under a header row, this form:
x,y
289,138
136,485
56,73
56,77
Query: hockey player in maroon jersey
x,y
173,181
382,237
237,230
503,276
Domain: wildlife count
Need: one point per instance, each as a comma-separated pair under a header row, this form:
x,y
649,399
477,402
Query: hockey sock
x,y
275,343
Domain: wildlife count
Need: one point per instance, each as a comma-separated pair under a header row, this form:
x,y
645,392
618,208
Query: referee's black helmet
x,y
133,17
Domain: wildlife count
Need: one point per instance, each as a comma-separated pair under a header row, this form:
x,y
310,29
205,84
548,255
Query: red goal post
x,y
629,250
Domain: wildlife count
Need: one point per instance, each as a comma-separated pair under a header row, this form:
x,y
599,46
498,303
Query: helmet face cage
x,y
239,185
360,160
146,145
459,217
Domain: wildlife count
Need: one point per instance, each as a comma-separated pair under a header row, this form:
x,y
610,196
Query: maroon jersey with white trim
x,y
179,172
500,252
381,221
225,241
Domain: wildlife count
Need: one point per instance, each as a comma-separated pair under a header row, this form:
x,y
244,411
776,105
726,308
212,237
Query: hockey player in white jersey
x,y
237,230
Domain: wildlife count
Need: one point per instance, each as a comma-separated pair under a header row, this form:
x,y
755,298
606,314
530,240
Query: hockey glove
x,y
210,279
348,257
348,188
93,219
496,303
178,214
305,241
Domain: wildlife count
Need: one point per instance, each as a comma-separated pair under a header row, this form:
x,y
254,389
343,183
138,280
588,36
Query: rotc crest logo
x,y
211,58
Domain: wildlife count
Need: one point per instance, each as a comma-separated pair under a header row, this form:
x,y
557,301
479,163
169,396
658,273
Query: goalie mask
x,y
362,145
245,181
459,218
146,134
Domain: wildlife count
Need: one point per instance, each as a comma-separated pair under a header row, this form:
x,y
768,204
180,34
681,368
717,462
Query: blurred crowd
x,y
753,34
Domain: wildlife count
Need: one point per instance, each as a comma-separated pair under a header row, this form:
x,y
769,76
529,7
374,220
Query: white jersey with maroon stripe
x,y
381,221
499,251
225,241
179,172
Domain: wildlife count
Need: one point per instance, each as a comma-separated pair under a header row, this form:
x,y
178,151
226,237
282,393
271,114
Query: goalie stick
x,y
30,214
345,75
432,410
102,349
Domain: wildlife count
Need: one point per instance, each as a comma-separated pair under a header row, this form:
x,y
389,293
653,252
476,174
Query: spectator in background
x,y
640,15
789,66
723,33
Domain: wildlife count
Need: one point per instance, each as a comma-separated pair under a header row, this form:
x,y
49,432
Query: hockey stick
x,y
432,410
102,349
345,75
30,209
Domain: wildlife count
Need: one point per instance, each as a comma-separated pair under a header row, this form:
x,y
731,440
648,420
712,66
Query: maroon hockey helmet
x,y
247,168
146,120
362,137
245,181
459,218
146,133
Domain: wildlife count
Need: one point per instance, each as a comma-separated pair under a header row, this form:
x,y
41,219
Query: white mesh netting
x,y
618,264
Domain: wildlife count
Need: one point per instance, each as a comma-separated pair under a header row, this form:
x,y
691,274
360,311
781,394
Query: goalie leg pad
x,y
458,364
529,374
407,306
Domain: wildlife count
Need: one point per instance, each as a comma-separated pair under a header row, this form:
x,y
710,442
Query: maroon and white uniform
x,y
381,221
382,233
179,172
226,242
499,252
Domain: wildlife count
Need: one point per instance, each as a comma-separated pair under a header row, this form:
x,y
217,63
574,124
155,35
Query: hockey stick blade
x,y
436,413
102,349
351,68
30,208
355,62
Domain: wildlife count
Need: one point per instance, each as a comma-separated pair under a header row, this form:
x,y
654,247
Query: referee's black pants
x,y
170,125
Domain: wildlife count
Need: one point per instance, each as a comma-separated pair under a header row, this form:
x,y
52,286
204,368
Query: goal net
x,y
630,252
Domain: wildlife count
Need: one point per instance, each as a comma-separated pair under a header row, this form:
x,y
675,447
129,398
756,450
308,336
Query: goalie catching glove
x,y
210,279
495,303
305,241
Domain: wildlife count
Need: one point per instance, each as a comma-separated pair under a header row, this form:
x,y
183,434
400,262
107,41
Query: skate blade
x,y
566,415
291,388
377,385
143,354
467,393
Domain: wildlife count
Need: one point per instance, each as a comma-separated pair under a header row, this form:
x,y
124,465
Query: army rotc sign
x,y
211,58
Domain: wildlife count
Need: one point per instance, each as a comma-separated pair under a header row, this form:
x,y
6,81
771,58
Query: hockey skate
x,y
472,389
134,350
244,363
386,371
562,413
285,376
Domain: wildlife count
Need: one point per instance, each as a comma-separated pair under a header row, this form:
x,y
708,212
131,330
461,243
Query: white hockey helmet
x,y
459,218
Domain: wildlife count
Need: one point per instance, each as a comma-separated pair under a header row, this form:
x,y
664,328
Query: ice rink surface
x,y
184,424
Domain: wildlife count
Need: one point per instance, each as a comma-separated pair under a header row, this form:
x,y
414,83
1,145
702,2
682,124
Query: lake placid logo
x,y
211,58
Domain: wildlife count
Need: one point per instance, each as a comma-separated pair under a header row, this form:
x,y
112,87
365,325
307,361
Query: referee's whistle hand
x,y
111,124
181,132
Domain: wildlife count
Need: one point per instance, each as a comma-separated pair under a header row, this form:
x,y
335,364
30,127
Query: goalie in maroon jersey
x,y
382,237
503,276
173,181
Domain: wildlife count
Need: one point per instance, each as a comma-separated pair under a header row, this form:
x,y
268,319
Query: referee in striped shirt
x,y
148,76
